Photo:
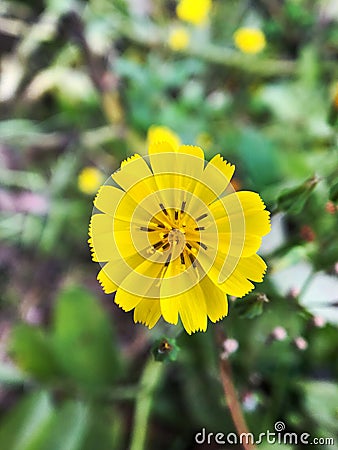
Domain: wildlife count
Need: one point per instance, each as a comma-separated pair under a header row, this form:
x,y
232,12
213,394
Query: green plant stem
x,y
233,403
306,284
151,377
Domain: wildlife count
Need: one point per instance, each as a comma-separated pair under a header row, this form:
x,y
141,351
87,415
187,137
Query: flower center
x,y
176,240
176,237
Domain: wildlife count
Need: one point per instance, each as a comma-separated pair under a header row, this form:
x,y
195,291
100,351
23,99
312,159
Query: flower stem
x,y
233,403
151,377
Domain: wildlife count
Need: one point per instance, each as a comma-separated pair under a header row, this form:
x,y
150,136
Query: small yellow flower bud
x,y
193,11
89,180
249,40
179,39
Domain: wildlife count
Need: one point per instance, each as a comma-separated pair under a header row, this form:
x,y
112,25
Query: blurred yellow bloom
x,y
159,133
249,40
179,39
193,11
89,180
204,140
173,237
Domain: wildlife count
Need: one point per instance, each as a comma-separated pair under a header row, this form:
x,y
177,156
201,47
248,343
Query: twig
x,y
232,400
233,403
306,283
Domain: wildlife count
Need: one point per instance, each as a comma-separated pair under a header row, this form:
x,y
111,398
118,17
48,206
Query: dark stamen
x,y
166,264
202,217
176,215
182,259
202,245
183,206
165,235
146,229
163,209
199,228
160,225
166,246
158,245
188,245
192,259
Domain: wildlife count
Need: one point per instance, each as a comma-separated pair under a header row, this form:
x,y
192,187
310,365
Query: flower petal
x,y
169,303
193,309
253,268
232,274
237,284
107,199
144,279
158,133
217,176
101,238
108,244
119,268
184,164
107,284
190,305
133,170
232,243
231,211
126,300
148,312
215,299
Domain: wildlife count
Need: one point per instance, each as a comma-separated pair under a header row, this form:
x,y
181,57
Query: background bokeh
x,y
81,82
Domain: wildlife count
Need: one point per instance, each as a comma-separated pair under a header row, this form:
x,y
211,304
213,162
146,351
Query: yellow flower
x,y
159,133
89,180
179,39
173,237
204,140
249,40
193,11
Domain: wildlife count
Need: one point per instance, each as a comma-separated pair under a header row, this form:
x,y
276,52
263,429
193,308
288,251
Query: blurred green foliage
x,y
80,84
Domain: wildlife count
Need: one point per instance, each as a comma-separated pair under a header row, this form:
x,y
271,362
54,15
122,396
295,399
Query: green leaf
x,y
33,352
252,306
321,403
33,424
257,154
293,200
65,430
308,66
24,422
83,339
334,192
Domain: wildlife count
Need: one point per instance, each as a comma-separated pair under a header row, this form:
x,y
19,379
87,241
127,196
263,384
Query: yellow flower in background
x,y
179,39
193,11
204,140
89,180
173,238
249,40
159,133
